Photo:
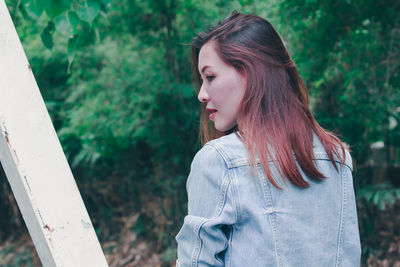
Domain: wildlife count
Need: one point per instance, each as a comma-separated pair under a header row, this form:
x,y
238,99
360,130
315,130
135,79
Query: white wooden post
x,y
35,164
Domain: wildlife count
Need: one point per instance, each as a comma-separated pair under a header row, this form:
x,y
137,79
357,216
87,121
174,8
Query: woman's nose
x,y
203,96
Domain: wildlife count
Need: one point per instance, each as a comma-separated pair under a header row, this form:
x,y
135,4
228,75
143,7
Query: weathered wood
x,y
35,164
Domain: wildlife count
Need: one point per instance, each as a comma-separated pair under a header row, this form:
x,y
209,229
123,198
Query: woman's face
x,y
222,89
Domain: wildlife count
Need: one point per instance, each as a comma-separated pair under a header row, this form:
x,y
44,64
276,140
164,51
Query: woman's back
x,y
236,219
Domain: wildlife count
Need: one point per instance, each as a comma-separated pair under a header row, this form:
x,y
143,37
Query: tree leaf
x,y
106,5
106,2
88,11
47,35
63,25
35,8
72,45
57,7
67,24
74,20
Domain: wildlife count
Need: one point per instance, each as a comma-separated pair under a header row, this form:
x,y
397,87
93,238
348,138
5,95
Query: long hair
x,y
274,119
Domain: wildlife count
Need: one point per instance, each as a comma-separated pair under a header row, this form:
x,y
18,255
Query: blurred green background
x,y
116,79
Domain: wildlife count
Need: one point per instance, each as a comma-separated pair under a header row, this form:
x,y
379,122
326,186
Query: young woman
x,y
270,187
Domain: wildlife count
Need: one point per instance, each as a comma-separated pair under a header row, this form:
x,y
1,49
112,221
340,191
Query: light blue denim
x,y
236,219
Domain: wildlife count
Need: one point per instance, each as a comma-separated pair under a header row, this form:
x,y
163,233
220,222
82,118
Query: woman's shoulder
x,y
230,147
321,154
232,151
218,155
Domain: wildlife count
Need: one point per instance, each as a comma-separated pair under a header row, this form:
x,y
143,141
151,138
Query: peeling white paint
x,y
86,225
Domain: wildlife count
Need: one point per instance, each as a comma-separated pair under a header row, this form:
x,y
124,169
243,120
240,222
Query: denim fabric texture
x,y
239,219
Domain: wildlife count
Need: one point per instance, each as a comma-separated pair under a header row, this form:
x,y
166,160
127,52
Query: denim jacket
x,y
239,219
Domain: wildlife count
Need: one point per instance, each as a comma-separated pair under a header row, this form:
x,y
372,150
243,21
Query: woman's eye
x,y
209,78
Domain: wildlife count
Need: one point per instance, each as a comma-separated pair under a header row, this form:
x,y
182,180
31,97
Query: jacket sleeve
x,y
203,238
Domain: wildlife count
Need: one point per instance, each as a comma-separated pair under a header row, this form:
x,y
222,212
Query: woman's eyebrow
x,y
204,68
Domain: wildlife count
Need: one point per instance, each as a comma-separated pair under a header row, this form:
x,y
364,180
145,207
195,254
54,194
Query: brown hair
x,y
274,111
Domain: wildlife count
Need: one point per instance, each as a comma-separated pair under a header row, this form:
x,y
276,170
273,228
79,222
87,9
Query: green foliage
x,y
113,111
15,259
380,194
348,53
88,10
47,35
70,18
67,23
169,255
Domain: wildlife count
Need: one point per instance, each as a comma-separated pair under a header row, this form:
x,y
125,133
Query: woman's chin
x,y
222,128
219,129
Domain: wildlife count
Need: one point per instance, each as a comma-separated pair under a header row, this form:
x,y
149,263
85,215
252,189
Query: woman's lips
x,y
213,113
